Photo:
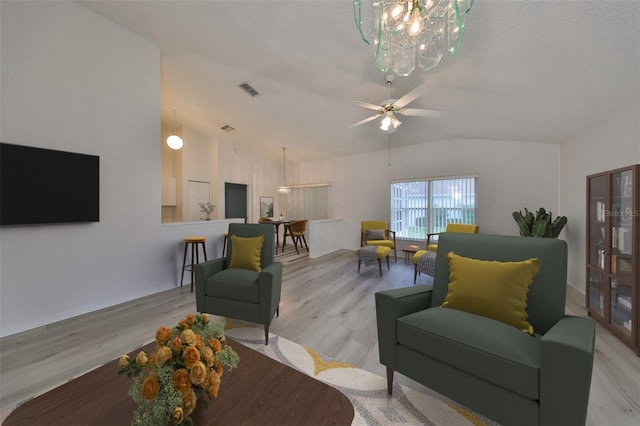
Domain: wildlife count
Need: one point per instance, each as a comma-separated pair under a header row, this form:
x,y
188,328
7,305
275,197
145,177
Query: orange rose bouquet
x,y
186,365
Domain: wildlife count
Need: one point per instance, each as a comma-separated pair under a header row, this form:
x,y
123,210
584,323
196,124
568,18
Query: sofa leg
x,y
266,334
390,380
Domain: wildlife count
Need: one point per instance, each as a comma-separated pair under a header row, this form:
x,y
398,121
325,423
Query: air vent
x,y
250,90
227,128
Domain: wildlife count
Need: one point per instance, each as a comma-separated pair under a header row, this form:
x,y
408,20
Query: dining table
x,y
277,224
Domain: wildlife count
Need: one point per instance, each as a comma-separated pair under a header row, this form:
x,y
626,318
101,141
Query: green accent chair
x,y
490,367
242,293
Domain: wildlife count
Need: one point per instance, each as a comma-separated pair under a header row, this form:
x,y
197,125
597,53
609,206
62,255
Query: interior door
x,y
235,201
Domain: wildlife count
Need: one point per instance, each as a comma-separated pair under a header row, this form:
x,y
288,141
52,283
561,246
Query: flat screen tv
x,y
43,186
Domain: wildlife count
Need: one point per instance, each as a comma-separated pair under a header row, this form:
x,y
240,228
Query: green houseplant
x,y
540,225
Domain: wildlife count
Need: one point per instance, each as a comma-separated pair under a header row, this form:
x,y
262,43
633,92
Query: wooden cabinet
x,y
613,252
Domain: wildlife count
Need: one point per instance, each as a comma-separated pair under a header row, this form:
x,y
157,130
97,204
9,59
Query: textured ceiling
x,y
531,71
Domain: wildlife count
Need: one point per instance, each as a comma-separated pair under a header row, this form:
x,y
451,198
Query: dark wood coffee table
x,y
261,391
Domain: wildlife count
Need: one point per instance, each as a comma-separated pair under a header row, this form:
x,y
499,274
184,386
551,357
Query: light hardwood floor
x,y
325,306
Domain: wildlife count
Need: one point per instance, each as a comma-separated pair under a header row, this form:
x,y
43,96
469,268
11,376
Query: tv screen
x,y
39,186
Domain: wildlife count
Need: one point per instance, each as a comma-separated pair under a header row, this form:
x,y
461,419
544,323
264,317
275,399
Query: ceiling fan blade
x,y
367,105
411,96
415,112
366,120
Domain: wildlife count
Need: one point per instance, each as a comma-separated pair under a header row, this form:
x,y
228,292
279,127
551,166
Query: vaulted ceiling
x,y
530,71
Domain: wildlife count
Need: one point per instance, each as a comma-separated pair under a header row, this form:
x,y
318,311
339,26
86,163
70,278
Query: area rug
x,y
366,391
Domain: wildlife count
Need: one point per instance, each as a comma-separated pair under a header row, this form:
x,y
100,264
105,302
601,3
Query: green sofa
x,y
242,293
490,367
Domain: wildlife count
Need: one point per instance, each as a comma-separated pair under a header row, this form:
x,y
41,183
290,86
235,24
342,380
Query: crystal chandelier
x,y
284,189
410,33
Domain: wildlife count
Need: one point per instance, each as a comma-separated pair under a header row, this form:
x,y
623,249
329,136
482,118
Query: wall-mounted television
x,y
41,186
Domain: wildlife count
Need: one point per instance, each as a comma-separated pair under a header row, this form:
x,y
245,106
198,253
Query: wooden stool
x,y
193,243
381,252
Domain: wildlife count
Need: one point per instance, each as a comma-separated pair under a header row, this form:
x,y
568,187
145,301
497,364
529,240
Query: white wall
x,y
74,81
237,164
610,144
511,176
199,161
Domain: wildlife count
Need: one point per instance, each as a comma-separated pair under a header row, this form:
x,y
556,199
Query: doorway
x,y
235,201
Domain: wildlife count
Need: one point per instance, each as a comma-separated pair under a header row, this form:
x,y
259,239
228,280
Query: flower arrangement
x,y
207,208
187,365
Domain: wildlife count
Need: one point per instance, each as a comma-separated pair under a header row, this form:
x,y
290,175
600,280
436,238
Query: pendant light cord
x,y
174,121
284,180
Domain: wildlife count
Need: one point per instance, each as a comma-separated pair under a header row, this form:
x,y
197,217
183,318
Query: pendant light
x,y
174,141
284,189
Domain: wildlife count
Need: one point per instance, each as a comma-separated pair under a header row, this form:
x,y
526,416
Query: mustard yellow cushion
x,y
246,252
496,290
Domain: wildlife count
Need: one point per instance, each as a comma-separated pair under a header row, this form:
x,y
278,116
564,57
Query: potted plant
x,y
207,208
540,225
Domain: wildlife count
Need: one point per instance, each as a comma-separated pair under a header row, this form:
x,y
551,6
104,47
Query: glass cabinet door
x,y
621,258
596,245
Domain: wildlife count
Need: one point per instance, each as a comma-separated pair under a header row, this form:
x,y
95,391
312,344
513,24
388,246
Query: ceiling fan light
x,y
385,123
175,142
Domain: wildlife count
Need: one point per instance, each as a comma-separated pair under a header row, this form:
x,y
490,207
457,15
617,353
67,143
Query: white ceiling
x,y
531,71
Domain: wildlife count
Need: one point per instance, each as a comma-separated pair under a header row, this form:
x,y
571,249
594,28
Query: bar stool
x,y
192,242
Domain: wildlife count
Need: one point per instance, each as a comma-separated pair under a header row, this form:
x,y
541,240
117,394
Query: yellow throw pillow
x,y
245,252
493,289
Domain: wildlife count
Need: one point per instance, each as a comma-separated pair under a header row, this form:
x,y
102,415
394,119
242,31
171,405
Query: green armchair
x,y
495,369
238,292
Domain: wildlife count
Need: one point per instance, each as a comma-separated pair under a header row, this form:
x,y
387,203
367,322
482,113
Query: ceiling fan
x,y
389,108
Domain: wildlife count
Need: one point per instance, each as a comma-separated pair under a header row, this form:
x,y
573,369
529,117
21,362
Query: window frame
x,y
428,210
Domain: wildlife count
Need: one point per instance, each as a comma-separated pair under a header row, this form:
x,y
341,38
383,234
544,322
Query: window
x,y
426,205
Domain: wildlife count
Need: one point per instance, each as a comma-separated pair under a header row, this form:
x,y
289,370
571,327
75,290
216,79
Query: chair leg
x,y
395,254
380,265
390,380
204,251
194,252
305,242
388,269
266,334
359,261
415,273
184,261
295,244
